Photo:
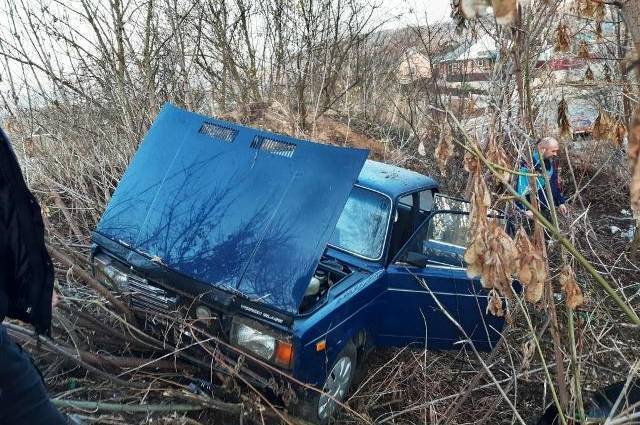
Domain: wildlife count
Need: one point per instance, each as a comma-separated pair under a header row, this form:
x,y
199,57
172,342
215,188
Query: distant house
x,y
414,67
470,60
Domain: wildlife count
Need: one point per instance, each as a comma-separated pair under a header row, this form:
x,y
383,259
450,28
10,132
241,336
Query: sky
x,y
414,12
394,14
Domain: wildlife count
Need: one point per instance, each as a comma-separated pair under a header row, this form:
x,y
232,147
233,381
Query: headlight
x,y
120,279
262,344
255,341
107,272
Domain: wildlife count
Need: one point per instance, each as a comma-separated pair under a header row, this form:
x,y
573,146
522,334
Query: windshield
x,y
362,226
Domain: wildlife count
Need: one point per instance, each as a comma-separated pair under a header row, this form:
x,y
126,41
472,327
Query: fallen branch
x,y
115,407
92,282
25,334
67,215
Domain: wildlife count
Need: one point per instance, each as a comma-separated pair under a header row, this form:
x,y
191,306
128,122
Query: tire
x,y
320,408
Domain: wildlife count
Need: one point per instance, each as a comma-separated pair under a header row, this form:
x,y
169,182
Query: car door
x,y
444,244
423,285
483,329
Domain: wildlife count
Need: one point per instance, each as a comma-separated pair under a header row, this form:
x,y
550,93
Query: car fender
x,y
348,312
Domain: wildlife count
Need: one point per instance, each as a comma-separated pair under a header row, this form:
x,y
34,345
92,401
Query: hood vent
x,y
275,147
218,132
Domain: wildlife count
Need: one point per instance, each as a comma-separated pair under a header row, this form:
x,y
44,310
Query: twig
x,y
629,312
93,283
65,211
115,407
25,333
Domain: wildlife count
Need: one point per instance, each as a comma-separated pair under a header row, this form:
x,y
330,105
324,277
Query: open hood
x,y
238,208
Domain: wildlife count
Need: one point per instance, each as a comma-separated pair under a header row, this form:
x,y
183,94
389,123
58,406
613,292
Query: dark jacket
x,y
524,188
26,271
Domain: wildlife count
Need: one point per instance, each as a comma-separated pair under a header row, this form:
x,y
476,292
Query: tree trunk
x,y
631,15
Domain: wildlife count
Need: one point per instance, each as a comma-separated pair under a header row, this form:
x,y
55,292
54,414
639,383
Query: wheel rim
x,y
335,387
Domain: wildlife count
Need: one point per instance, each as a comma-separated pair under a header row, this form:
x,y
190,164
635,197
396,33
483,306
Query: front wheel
x,y
321,407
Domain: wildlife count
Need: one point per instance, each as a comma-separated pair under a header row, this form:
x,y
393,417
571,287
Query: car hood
x,y
240,209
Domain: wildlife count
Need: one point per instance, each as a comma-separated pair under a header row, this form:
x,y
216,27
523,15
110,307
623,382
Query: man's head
x,y
548,147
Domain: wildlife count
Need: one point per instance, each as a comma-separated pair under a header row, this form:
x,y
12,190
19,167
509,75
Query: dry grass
x,y
98,356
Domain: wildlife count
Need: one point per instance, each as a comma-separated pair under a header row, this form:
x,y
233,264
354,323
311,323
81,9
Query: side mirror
x,y
416,259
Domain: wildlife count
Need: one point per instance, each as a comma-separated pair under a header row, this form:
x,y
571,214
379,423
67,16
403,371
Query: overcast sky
x,y
395,14
414,12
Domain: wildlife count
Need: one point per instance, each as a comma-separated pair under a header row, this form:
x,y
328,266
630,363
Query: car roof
x,y
392,180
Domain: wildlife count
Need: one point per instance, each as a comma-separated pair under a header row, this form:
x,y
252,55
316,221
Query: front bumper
x,y
170,317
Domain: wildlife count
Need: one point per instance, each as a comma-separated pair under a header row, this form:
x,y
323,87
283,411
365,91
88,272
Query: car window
x,y
443,202
440,241
362,226
449,228
426,200
406,200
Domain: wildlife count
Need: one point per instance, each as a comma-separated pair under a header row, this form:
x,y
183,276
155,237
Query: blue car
x,y
300,255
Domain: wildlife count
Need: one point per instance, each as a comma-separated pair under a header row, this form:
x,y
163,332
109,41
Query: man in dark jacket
x,y
26,290
546,150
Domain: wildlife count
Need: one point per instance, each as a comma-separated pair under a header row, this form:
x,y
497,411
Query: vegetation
x,y
82,81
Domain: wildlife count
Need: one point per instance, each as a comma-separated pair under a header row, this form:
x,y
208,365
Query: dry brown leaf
x,y
599,10
472,8
505,11
570,287
471,163
530,266
525,248
583,50
478,227
621,132
444,150
494,305
533,292
635,188
608,129
563,38
563,120
498,156
588,75
499,260
481,195
586,8
598,31
601,126
633,149
606,69
528,350
490,254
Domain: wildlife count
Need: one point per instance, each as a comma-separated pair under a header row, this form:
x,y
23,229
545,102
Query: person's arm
x,y
14,252
522,186
4,202
523,189
26,264
558,197
4,258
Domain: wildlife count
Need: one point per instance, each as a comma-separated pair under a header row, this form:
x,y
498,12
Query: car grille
x,y
149,297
